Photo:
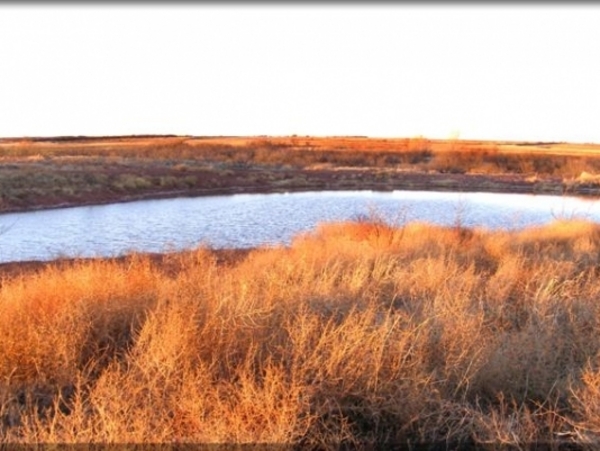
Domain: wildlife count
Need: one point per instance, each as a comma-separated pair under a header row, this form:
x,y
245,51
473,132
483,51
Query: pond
x,y
248,220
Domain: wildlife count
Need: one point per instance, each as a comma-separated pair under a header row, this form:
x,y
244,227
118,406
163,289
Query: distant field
x,y
403,144
61,171
315,143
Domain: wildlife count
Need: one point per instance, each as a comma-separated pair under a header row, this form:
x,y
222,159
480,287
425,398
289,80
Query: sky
x,y
469,71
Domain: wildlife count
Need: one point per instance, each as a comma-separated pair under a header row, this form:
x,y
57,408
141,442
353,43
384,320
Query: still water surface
x,y
247,220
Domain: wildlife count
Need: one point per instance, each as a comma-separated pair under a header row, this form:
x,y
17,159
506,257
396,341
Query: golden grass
x,y
356,333
48,172
576,162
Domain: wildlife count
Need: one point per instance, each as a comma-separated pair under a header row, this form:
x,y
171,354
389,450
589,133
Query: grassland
x,y
358,333
50,172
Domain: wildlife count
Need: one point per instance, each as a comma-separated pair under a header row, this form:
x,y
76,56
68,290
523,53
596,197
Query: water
x,y
248,220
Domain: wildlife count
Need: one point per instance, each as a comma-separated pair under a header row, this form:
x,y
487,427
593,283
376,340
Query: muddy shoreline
x,y
337,181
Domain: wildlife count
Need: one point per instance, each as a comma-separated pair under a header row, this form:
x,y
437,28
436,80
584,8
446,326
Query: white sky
x,y
481,71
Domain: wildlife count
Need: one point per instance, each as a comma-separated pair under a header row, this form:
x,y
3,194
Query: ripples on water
x,y
247,220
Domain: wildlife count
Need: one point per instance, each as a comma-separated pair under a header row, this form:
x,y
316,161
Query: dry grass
x,y
459,156
46,172
356,333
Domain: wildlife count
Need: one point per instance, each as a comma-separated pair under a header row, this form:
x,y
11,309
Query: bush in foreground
x,y
356,333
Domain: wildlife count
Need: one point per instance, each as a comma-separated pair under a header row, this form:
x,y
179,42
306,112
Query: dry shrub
x,y
57,319
356,333
586,404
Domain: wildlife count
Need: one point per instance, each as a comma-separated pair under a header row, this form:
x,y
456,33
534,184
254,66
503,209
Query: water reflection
x,y
247,220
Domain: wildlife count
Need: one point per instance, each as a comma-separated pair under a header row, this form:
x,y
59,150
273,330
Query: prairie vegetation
x,y
48,172
357,333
